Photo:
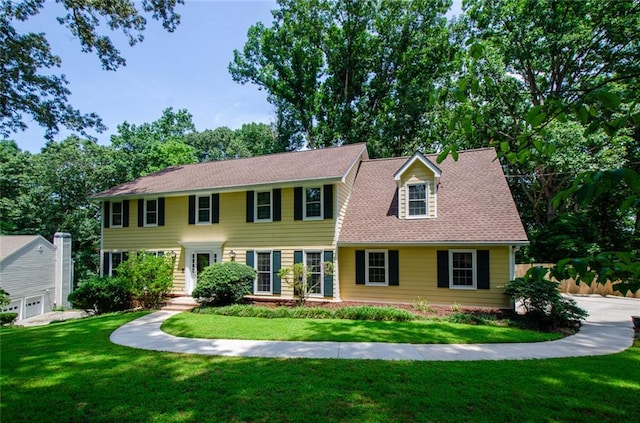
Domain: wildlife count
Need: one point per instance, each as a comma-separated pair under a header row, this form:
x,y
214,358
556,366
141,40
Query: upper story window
x,y
204,209
263,206
116,214
313,203
462,271
151,212
417,197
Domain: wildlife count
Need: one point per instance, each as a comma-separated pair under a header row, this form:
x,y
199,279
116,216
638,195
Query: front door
x,y
198,260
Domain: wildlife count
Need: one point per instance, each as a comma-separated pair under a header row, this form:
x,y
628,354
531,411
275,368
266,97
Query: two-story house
x,y
395,229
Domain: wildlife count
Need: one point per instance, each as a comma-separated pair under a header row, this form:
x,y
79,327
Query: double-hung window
x,y
377,267
417,197
313,203
151,212
116,214
315,272
204,209
263,267
263,206
116,259
462,271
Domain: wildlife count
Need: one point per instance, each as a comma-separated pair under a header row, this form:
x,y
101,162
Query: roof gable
x,y
14,244
331,163
418,157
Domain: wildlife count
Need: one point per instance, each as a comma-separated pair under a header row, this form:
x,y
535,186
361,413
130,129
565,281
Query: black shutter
x,y
105,264
277,201
328,201
328,279
125,213
249,206
249,261
276,283
297,203
215,208
161,211
192,210
394,268
360,273
140,213
443,269
106,214
482,277
297,258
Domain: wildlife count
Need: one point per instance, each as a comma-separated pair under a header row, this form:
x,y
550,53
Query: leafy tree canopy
x,y
29,86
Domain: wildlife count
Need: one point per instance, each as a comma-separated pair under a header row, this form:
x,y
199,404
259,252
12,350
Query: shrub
x,y
149,276
224,283
102,294
422,304
544,306
4,298
6,318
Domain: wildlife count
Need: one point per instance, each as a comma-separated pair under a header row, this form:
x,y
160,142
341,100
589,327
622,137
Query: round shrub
x,y
102,294
7,318
224,283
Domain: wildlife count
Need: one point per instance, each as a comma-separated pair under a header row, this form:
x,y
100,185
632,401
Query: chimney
x,y
64,269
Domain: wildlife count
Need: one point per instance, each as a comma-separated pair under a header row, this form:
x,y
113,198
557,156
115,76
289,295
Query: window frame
x,y
258,272
474,270
367,266
111,214
197,216
146,213
112,268
407,200
256,215
304,203
321,279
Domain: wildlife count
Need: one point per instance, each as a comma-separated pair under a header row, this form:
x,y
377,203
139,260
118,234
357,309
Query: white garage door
x,y
13,307
32,307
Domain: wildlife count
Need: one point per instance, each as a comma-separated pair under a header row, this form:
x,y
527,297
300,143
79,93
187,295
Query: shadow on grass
x,y
71,372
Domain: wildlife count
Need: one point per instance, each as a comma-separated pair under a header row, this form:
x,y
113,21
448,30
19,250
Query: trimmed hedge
x,y
102,294
7,318
224,283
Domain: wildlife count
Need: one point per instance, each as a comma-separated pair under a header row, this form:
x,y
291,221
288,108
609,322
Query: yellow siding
x,y
233,230
418,278
417,173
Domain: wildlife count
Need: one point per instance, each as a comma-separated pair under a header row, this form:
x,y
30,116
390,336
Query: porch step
x,y
180,304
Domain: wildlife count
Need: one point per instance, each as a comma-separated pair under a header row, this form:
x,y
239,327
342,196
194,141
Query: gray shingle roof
x,y
326,163
474,205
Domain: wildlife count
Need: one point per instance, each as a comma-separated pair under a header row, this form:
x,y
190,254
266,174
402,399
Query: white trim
x,y
255,266
150,225
435,199
304,203
443,244
474,270
111,268
255,206
197,216
304,261
426,162
426,199
386,268
111,224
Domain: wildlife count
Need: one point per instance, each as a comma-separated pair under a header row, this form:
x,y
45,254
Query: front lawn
x,y
193,325
71,372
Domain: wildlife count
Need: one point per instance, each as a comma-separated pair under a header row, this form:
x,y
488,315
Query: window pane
x,y
203,215
376,259
203,202
264,272
313,194
264,262
417,200
264,212
264,198
417,192
417,208
462,269
312,202
116,214
376,275
152,207
313,210
264,282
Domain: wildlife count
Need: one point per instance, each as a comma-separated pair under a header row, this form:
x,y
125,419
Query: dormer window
x,y
417,197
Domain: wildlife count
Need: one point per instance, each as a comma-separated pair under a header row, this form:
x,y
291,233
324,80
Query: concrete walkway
x,y
608,330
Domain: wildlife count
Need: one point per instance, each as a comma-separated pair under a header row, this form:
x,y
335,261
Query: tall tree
x,y
28,83
350,71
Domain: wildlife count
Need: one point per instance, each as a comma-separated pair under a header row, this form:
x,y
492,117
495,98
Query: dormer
x,y
417,182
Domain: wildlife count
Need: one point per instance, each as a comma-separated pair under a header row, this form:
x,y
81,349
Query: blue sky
x,y
186,69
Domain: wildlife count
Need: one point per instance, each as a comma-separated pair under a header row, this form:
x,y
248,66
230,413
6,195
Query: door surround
x,y
214,248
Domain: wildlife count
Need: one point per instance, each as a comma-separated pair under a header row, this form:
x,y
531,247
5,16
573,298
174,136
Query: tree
x,y
301,278
28,83
343,72
16,180
146,148
218,144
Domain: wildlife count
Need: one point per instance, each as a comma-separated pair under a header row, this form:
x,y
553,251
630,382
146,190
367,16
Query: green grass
x,y
71,372
192,325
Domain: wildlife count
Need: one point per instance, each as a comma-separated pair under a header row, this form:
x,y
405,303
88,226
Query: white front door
x,y
197,261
